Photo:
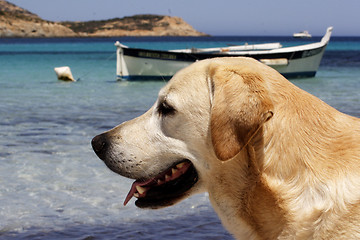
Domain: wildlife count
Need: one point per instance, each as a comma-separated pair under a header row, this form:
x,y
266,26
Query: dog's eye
x,y
165,109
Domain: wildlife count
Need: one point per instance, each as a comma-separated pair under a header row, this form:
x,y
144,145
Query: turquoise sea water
x,y
52,186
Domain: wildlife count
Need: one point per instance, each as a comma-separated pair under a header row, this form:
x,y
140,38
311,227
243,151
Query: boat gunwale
x,y
191,57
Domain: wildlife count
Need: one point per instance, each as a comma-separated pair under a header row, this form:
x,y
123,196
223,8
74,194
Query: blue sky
x,y
221,17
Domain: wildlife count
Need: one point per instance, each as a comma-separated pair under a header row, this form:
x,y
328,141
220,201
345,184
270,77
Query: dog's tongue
x,y
133,189
131,193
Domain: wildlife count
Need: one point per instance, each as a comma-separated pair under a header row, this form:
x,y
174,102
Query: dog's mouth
x,y
166,188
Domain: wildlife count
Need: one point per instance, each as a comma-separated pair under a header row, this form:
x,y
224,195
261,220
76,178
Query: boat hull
x,y
299,64
151,68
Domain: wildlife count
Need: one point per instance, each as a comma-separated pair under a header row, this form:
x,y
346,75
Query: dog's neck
x,y
299,134
277,190
306,154
259,215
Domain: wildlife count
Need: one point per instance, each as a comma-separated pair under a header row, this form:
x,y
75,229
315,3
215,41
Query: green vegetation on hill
x,y
137,22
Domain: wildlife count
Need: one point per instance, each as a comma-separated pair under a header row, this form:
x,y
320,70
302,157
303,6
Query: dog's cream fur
x,y
277,162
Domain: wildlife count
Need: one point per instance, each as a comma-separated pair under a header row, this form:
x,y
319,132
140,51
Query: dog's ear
x,y
240,106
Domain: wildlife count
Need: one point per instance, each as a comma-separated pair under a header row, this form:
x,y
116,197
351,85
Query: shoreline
x,y
314,38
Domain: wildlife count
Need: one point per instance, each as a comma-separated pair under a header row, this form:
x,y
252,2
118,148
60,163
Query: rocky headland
x,y
18,22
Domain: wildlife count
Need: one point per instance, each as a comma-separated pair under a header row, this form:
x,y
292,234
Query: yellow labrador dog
x,y
277,162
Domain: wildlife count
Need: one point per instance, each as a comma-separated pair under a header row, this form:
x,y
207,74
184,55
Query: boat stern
x,y
122,71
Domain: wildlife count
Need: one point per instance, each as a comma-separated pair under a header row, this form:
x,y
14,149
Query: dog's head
x,y
206,114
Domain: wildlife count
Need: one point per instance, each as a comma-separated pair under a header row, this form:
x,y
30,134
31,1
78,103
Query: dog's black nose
x,y
100,144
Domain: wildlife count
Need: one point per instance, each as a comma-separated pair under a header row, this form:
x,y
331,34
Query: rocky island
x,y
18,22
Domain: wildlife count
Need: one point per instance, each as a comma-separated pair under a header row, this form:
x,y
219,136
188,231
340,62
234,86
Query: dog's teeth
x,y
136,195
167,178
140,189
180,165
159,182
173,170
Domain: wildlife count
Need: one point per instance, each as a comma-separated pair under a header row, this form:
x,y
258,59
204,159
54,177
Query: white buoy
x,y
64,73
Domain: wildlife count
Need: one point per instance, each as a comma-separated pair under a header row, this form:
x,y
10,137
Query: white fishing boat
x,y
292,62
303,34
